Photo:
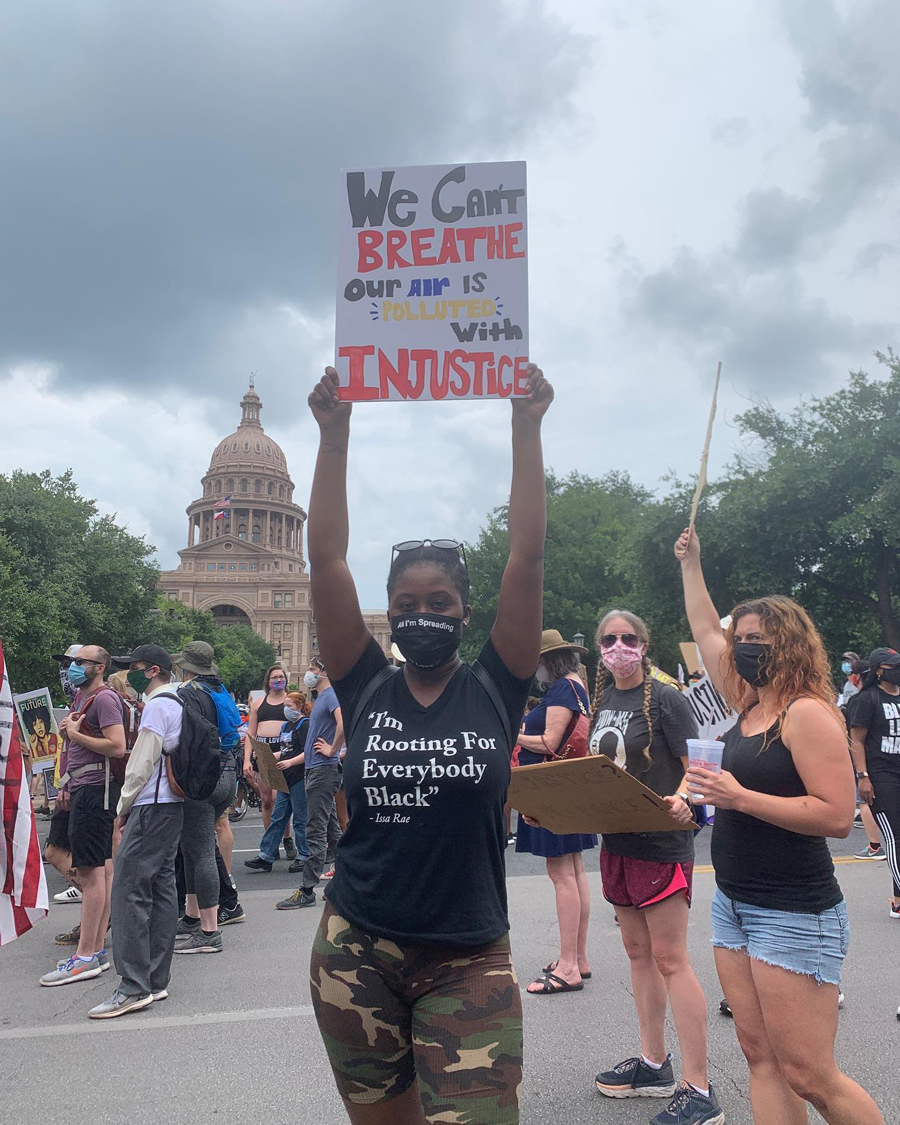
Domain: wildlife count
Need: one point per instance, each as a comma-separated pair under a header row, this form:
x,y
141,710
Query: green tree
x,y
589,521
808,509
66,574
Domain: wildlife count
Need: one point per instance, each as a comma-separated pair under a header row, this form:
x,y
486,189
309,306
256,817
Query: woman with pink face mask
x,y
643,724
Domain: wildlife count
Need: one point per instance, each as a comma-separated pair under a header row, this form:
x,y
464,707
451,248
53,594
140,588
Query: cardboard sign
x,y
690,653
432,298
269,773
38,724
712,713
588,795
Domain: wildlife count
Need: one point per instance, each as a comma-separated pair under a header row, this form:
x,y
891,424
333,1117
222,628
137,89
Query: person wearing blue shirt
x,y
322,780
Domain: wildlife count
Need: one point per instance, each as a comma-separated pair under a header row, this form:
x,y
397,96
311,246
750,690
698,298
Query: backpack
x,y
227,716
194,766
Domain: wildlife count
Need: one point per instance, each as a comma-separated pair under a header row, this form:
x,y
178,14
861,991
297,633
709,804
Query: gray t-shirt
x,y
620,732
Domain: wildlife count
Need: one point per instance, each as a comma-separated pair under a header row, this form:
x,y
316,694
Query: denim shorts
x,y
812,944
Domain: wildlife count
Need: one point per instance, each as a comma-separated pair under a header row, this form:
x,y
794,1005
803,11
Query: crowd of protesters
x,y
431,951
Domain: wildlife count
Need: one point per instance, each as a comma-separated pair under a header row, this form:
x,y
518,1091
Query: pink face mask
x,y
621,660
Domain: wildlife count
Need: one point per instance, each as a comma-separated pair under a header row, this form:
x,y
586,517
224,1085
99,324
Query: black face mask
x,y
752,662
427,640
891,676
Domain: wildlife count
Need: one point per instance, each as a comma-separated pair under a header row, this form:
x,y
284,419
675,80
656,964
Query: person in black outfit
x,y
780,928
873,717
415,928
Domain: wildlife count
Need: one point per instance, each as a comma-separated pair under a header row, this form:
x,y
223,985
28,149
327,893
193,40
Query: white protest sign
x,y
432,297
712,713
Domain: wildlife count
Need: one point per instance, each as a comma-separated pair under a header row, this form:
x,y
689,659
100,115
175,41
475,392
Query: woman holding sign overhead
x,y
411,974
780,927
643,725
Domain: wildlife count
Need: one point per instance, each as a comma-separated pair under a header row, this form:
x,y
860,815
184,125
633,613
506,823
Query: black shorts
x,y
91,826
58,836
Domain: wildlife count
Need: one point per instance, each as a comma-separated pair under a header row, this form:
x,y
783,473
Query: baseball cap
x,y
71,652
148,654
879,656
196,656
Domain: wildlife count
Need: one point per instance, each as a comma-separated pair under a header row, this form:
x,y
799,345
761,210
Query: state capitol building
x,y
247,566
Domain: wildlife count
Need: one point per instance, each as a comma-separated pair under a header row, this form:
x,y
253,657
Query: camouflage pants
x,y
449,1017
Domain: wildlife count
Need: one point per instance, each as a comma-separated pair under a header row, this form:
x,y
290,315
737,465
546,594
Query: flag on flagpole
x,y
219,514
23,889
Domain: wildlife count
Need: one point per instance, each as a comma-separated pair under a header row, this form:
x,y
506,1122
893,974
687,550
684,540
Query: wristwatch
x,y
861,774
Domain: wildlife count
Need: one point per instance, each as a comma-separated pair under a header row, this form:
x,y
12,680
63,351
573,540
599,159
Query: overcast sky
x,y
706,181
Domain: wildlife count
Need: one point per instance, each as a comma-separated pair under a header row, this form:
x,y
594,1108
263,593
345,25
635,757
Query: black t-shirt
x,y
293,742
422,859
879,713
620,732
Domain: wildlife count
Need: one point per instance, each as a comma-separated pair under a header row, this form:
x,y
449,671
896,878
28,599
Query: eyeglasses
x,y
441,544
81,661
631,640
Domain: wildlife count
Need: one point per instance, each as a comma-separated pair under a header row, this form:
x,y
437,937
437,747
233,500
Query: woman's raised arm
x,y
701,613
340,627
517,629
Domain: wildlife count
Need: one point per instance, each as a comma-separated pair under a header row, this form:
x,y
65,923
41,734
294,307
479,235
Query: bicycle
x,y
245,797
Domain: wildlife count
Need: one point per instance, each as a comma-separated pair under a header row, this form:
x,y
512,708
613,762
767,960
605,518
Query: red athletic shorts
x,y
640,882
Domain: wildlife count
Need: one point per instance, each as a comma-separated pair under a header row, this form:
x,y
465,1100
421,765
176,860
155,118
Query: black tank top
x,y
757,862
270,712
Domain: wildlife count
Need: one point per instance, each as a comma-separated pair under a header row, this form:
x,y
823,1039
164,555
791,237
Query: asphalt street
x,y
237,1040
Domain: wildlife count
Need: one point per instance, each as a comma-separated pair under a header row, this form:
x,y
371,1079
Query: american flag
x,y
222,505
23,889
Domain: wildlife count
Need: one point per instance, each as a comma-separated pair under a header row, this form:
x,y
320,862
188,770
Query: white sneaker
x,y
895,909
70,894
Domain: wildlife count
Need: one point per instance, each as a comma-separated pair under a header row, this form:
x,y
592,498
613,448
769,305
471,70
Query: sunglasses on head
x,y
441,544
632,640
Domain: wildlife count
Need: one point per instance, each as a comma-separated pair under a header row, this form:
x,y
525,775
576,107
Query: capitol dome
x,y
249,446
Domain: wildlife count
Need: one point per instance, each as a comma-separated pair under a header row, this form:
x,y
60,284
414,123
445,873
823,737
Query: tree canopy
x,y
808,507
67,574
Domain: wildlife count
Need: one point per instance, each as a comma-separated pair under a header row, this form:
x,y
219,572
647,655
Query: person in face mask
x,y
874,720
543,738
416,914
322,780
780,928
643,724
852,682
290,757
265,724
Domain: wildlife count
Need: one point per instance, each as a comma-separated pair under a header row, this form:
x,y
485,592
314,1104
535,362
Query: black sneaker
x,y
690,1108
258,864
634,1079
231,917
297,900
298,865
290,852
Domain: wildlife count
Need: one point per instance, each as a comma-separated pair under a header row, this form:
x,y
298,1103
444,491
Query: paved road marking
x,y
135,1023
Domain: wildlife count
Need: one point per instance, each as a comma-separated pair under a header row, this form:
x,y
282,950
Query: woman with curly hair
x,y
780,927
643,724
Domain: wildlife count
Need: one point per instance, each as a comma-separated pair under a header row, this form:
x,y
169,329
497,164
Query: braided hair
x,y
606,679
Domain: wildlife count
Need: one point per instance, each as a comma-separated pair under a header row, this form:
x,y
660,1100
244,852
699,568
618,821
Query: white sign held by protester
x,y
712,713
432,295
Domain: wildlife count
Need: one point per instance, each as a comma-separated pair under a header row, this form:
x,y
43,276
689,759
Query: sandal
x,y
549,969
548,989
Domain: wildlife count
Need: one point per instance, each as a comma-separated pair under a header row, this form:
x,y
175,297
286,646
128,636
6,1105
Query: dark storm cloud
x,y
849,77
170,165
771,334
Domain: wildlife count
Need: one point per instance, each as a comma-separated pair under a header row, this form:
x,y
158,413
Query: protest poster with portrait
x,y
37,721
432,298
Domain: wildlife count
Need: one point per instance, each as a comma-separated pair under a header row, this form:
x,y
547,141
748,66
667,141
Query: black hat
x,y
148,654
879,656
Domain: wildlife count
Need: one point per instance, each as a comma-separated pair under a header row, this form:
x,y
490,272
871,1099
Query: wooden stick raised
x,y
704,458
